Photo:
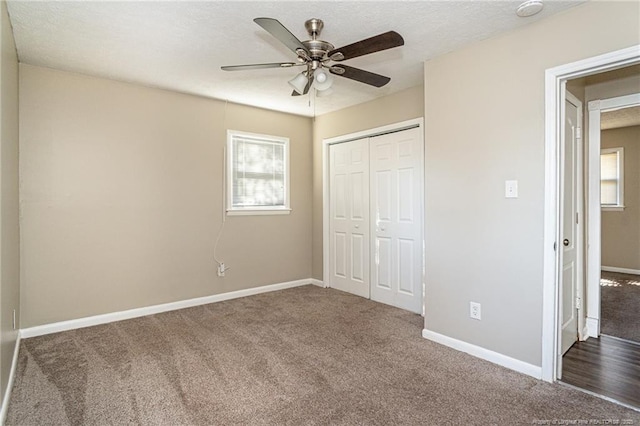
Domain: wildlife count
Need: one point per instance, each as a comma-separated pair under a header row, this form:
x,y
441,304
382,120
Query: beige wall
x,y
484,121
121,190
9,206
621,229
395,108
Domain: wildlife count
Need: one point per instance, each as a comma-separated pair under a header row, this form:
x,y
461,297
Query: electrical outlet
x,y
511,189
475,310
221,269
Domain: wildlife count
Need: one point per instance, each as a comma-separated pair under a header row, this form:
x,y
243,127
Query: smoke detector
x,y
529,8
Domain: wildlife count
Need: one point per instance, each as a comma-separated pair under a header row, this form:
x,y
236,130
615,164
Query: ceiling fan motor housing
x,y
317,48
314,26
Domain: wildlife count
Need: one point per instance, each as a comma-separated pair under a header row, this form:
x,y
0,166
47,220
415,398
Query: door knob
x,y
357,226
565,242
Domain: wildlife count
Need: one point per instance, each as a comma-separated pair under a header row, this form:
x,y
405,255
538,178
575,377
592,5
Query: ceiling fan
x,y
317,56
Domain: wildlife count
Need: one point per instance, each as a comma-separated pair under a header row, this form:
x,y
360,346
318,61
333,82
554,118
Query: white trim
x,y
620,270
486,354
155,309
593,327
325,179
12,375
257,212
555,79
319,283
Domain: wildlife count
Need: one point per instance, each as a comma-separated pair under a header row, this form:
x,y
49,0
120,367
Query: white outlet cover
x,y
511,189
475,310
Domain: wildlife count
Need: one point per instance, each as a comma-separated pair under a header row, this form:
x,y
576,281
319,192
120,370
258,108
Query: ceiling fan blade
x,y
370,45
362,76
279,31
258,66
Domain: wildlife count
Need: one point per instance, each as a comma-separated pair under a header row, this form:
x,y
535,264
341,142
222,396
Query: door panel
x,y
349,217
570,199
396,200
383,263
405,261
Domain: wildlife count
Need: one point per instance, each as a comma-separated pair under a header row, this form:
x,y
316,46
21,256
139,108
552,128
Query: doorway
x,y
605,361
555,87
612,204
373,214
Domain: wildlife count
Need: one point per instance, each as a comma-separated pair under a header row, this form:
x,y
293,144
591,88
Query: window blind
x,y
609,179
258,172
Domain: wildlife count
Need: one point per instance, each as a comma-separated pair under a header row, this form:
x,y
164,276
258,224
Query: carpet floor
x,y
306,355
620,305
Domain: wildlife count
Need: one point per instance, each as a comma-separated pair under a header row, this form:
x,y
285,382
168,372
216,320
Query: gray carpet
x,y
620,305
301,356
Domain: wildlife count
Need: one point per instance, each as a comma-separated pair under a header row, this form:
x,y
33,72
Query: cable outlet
x,y
475,311
221,269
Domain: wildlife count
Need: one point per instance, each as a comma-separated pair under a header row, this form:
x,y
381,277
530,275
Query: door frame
x,y
391,128
594,260
555,85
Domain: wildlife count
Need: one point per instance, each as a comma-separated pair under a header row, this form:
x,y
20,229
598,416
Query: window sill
x,y
612,208
257,212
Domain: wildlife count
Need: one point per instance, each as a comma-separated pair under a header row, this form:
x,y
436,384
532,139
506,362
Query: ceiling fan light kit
x,y
299,82
323,80
317,56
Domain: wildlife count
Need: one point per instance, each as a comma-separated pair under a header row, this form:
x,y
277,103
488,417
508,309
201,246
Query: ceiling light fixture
x,y
529,8
323,80
299,82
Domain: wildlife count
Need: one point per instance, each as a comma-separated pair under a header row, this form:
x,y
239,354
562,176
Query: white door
x,y
570,235
396,219
349,217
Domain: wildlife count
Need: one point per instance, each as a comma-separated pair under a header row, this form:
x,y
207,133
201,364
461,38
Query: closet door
x,y
396,219
349,217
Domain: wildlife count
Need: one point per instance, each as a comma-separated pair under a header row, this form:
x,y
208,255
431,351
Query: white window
x,y
258,174
612,178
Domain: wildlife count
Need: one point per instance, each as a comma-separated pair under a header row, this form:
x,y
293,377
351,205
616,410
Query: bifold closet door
x,y
349,217
396,178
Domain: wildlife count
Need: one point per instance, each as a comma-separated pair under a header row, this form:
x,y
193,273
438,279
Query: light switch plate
x,y
511,189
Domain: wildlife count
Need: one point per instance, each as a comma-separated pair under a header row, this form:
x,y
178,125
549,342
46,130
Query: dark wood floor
x,y
606,366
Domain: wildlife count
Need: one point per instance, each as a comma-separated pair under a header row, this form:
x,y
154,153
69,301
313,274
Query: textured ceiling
x,y
624,117
181,45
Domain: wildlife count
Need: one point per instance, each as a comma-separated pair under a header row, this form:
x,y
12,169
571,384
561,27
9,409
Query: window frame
x,y
232,210
620,181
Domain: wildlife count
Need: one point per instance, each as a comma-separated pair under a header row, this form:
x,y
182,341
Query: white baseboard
x,y
486,354
318,283
155,309
12,375
620,270
593,327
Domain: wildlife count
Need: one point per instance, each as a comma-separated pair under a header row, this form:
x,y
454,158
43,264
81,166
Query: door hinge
x,y
578,132
577,303
555,246
577,220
